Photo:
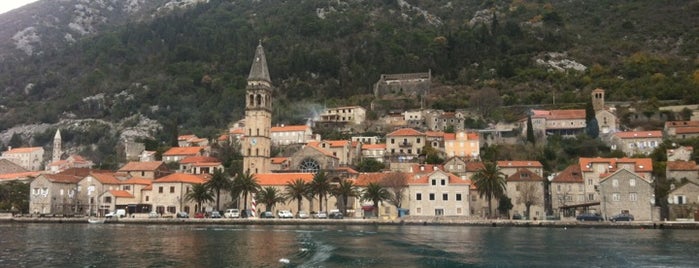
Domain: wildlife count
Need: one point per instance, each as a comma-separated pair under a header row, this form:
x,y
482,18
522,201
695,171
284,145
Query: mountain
x,y
186,68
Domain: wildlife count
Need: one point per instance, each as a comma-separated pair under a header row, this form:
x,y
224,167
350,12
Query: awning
x,y
367,208
583,205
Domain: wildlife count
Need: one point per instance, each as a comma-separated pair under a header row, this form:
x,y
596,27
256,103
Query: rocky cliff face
x,y
47,25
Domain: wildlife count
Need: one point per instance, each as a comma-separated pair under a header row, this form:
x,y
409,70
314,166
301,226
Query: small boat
x,y
94,220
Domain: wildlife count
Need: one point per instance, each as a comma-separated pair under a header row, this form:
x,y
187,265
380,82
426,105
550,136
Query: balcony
x,y
405,144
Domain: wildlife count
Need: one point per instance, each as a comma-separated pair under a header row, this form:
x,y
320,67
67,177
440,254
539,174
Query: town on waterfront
x,y
422,164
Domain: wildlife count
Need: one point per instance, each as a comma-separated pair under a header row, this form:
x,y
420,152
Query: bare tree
x,y
530,195
396,183
486,100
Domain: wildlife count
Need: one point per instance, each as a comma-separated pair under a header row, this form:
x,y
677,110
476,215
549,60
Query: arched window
x,y
252,100
309,165
259,100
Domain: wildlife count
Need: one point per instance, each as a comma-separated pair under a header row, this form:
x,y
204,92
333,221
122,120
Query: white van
x,y
232,213
119,213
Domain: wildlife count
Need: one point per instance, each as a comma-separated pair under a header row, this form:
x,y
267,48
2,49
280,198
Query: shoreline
x,y
408,222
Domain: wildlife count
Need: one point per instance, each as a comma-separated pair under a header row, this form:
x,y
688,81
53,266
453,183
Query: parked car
x,y
267,215
335,215
215,214
622,217
182,214
517,216
321,215
232,213
200,215
589,217
153,214
284,214
302,214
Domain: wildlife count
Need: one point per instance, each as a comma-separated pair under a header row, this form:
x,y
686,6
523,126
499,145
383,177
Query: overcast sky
x,y
7,5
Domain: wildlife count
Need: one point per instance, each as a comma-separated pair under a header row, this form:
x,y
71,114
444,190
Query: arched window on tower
x,y
257,152
249,151
259,100
252,100
258,132
249,131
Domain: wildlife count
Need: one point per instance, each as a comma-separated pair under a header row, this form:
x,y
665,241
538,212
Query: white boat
x,y
95,220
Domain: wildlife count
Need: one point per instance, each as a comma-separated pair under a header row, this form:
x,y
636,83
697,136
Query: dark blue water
x,y
115,245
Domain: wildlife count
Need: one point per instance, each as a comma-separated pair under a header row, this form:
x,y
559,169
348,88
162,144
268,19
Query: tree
x,y
219,181
490,182
485,101
296,190
244,184
269,196
530,130
504,205
199,194
530,195
321,187
375,193
396,183
343,191
370,165
14,196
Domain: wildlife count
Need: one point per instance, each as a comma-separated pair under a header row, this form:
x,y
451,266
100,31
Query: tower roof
x,y
259,70
58,134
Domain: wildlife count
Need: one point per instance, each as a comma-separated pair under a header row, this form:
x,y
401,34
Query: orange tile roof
x,y
186,137
121,194
559,114
19,175
147,188
425,168
682,165
336,143
194,150
58,178
365,178
681,124
22,150
406,132
223,137
105,178
474,166
639,134
278,160
141,181
281,179
80,172
524,174
424,179
181,177
237,131
434,134
509,164
290,128
449,136
641,164
199,159
571,174
687,130
379,146
316,145
348,170
142,166
472,136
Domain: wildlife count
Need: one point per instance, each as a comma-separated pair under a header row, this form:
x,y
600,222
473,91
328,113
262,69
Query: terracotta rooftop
x,y
105,178
434,134
682,166
141,166
639,134
365,178
194,150
453,179
571,174
239,131
121,194
290,128
141,181
405,132
278,160
79,172
58,178
559,114
687,130
527,164
281,179
199,159
681,124
22,150
181,177
186,137
19,175
524,174
378,146
641,164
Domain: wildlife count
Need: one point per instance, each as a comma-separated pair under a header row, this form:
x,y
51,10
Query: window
x,y
147,197
160,189
171,209
434,182
458,210
615,183
418,140
418,196
108,199
438,211
431,196
616,197
632,182
393,141
517,188
558,188
444,182
458,197
445,197
172,189
589,181
590,197
633,197
126,187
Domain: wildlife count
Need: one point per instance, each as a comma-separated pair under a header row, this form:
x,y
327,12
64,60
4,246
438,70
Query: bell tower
x,y
57,143
258,116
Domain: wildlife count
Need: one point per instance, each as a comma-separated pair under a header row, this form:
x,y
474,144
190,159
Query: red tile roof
x,y
186,137
141,181
474,166
524,174
281,179
181,177
105,178
559,114
405,132
80,172
239,131
365,178
141,166
290,128
278,160
641,164
58,178
22,150
434,134
199,159
381,146
19,175
571,174
194,150
449,136
687,130
527,164
348,170
121,194
682,165
639,134
681,124
424,179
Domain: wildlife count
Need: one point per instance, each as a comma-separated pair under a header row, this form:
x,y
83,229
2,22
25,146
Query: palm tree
x,y
490,182
243,184
219,181
375,193
296,190
343,191
199,194
270,197
321,186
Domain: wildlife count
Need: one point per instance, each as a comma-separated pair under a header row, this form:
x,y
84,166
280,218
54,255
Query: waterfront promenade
x,y
410,220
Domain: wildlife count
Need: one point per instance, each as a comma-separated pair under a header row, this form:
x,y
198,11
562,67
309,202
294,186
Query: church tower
x,y
598,99
258,116
57,143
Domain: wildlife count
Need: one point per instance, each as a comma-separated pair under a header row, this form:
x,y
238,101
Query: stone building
x,y
551,122
626,192
54,194
682,129
682,170
439,193
406,90
636,142
683,200
404,144
169,193
607,120
256,145
31,158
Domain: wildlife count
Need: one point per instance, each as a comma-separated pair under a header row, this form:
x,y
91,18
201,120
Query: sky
x,y
7,5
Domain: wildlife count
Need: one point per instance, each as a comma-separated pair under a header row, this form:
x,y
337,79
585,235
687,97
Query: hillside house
x,y
624,191
566,123
175,154
295,134
681,153
149,170
636,142
30,158
681,129
405,144
682,170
